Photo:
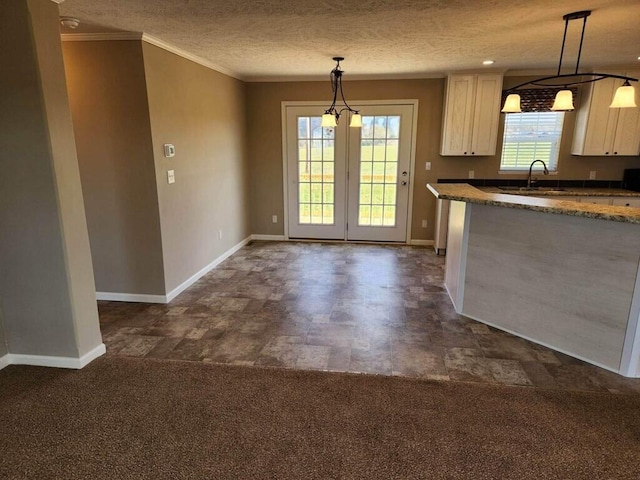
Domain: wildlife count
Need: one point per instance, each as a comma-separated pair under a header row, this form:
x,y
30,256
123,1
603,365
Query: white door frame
x,y
364,103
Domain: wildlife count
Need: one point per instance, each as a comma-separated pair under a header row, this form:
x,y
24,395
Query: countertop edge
x,y
464,192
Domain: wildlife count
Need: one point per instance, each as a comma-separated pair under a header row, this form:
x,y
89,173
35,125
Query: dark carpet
x,y
146,419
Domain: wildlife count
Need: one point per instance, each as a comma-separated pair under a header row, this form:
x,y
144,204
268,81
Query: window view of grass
x,y
531,136
316,172
378,171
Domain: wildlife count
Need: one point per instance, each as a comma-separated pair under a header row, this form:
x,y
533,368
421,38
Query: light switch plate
x,y
592,175
472,174
171,176
427,166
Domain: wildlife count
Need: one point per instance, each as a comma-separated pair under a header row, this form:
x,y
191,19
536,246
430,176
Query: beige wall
x,y
201,112
265,139
47,293
3,341
265,145
108,99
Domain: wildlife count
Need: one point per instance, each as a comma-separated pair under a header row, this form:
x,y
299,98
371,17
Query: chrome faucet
x,y
546,171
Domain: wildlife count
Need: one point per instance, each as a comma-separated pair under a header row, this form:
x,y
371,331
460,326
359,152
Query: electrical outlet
x,y
171,176
472,174
424,224
427,166
219,234
592,175
274,218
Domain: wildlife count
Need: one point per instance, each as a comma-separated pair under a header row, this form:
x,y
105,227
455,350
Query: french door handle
x,y
404,182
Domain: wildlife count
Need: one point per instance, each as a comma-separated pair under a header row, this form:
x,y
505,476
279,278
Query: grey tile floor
x,y
341,307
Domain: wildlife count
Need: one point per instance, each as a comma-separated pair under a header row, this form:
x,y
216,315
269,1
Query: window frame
x,y
557,133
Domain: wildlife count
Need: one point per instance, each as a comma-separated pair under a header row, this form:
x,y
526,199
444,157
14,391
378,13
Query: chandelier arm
x,y
343,100
347,109
600,76
334,86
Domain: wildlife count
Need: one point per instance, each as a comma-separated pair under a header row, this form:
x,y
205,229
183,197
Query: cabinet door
x,y
627,136
626,202
599,120
456,129
486,115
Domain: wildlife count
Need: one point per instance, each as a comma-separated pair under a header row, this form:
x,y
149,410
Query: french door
x,y
349,183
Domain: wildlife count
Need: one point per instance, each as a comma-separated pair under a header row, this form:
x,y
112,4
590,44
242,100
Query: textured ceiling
x,y
260,39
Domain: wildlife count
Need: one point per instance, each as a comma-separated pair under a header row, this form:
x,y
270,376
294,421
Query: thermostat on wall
x,y
169,150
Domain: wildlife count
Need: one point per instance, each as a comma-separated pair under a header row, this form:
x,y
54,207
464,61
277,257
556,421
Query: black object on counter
x,y
631,179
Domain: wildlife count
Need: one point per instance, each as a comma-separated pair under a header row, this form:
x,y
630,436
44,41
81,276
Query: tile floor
x,y
341,307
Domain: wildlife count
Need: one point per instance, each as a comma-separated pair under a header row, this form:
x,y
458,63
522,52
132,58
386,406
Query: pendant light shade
x,y
356,120
563,101
625,97
512,104
328,121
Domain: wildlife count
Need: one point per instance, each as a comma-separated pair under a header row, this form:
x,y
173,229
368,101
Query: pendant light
x,y
563,101
332,114
623,98
512,104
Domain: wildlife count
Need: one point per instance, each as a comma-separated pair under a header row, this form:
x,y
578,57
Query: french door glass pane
x,y
378,170
316,172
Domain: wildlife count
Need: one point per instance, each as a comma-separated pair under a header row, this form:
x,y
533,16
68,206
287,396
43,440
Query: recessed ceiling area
x,y
273,40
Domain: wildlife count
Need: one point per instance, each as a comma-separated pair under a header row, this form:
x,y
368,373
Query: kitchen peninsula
x,y
560,273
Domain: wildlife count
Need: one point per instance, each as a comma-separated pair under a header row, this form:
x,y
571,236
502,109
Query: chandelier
x,y
332,114
623,98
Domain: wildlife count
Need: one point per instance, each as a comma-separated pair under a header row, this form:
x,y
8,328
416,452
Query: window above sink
x,y
531,136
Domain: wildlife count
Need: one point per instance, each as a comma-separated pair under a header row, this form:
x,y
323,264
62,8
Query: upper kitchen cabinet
x,y
601,130
471,115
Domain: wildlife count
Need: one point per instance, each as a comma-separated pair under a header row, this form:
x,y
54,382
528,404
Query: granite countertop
x,y
564,192
466,193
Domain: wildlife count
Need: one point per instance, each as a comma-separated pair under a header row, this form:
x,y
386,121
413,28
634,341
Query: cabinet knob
x,y
606,153
465,153
615,153
473,153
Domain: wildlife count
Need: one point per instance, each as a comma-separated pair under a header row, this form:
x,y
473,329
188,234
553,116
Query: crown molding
x,y
189,56
145,37
97,37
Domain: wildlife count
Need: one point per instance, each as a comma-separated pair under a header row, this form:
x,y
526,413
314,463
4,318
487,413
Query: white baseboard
x,y
130,297
196,276
282,238
269,238
4,361
421,243
143,298
57,362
